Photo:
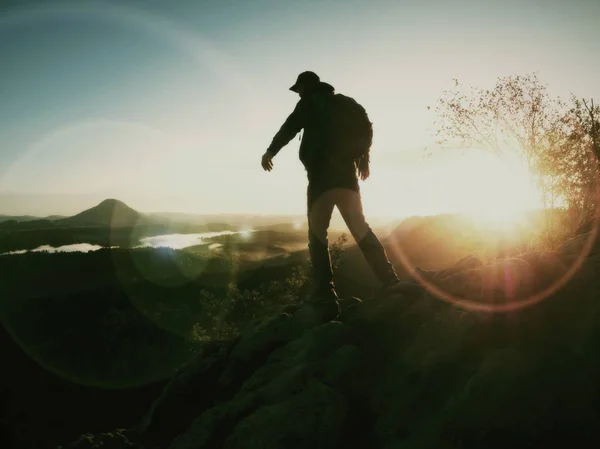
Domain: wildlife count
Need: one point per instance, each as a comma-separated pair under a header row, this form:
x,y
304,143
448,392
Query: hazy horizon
x,y
169,106
244,219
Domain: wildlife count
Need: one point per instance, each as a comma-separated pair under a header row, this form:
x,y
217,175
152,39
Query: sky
x,y
169,106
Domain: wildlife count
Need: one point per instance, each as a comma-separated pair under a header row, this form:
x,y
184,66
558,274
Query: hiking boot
x,y
322,272
398,286
377,259
391,283
403,287
315,313
320,307
319,295
418,275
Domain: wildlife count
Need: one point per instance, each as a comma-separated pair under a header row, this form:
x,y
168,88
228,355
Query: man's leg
x,y
350,206
320,208
322,305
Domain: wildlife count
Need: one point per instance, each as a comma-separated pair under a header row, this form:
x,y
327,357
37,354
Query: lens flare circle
x,y
144,135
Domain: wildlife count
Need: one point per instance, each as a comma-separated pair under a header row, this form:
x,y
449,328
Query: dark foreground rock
x,y
408,370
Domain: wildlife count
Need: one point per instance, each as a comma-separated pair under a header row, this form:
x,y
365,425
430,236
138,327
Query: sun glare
x,y
492,191
496,220
503,190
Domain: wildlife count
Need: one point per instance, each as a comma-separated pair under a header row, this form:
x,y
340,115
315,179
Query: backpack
x,y
349,130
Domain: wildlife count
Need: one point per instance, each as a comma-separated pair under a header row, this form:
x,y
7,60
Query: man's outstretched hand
x,y
267,162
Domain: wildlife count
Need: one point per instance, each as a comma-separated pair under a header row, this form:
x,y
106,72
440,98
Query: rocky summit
x,y
506,357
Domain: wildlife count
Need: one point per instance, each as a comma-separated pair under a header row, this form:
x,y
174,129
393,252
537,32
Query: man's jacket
x,y
305,116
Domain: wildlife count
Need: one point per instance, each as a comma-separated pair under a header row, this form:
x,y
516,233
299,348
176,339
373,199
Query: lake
x,y
174,241
179,241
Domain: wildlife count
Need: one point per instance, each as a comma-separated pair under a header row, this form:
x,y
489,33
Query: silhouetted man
x,y
332,182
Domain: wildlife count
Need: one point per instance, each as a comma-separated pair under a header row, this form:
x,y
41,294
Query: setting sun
x,y
503,189
478,184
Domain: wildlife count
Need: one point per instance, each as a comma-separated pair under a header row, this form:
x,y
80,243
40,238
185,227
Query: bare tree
x,y
516,117
583,147
592,125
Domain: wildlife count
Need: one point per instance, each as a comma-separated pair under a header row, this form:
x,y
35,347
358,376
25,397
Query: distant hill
x,y
18,218
110,212
435,242
14,225
27,218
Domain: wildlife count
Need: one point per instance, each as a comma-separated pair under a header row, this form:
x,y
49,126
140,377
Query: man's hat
x,y
306,78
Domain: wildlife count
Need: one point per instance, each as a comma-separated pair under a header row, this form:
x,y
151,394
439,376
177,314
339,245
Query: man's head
x,y
305,82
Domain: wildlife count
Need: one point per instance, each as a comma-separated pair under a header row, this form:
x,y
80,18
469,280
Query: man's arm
x,y
292,126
